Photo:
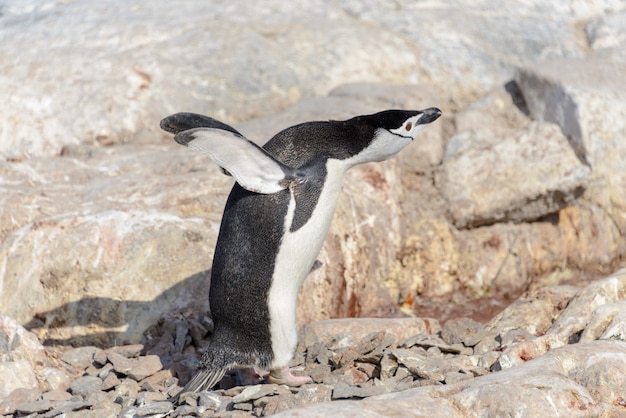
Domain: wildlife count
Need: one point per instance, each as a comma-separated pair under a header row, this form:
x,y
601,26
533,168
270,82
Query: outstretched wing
x,y
183,121
252,167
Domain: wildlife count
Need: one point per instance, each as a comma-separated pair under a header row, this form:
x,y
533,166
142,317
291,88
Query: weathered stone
x,y
81,357
158,380
55,379
57,395
104,372
454,377
534,311
319,372
549,383
571,321
514,178
85,385
128,388
16,343
344,358
15,375
343,391
513,337
460,330
589,105
487,359
481,48
110,382
338,376
242,406
428,342
36,407
120,363
408,357
68,408
128,351
606,34
498,113
251,393
356,329
144,367
128,412
145,397
317,353
12,400
388,367
608,322
209,401
154,408
186,410
308,394
370,370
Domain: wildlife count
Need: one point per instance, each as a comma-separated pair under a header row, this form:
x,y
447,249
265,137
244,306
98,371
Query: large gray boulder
x,y
588,102
523,176
103,73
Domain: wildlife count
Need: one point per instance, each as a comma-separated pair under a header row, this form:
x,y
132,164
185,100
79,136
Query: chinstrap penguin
x,y
274,224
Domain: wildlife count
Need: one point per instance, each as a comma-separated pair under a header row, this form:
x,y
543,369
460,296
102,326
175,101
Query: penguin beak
x,y
429,115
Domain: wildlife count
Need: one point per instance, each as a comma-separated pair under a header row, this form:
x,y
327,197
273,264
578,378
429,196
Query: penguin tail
x,y
203,380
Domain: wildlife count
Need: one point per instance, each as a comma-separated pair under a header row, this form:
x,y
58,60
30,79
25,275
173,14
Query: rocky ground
x,y
557,350
504,223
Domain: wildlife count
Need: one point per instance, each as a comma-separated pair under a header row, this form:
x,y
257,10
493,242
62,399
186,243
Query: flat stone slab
x,y
523,176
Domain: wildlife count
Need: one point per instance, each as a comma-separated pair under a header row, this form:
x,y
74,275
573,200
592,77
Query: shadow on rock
x,y
105,322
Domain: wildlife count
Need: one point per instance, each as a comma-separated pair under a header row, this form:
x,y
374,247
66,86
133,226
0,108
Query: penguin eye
x,y
408,126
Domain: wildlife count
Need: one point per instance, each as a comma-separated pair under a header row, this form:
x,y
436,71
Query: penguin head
x,y
384,134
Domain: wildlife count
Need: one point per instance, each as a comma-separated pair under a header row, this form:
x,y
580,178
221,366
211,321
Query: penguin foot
x,y
283,376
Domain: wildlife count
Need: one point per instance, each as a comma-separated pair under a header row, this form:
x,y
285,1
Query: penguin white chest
x,y
294,260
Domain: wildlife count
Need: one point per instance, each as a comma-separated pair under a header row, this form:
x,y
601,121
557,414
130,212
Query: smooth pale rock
x,y
460,330
16,375
16,343
85,385
252,393
144,367
588,102
128,389
81,357
501,111
154,409
353,330
57,395
140,65
55,379
521,177
533,312
476,46
608,322
556,383
121,84
572,320
36,407
103,239
128,351
505,259
606,34
18,396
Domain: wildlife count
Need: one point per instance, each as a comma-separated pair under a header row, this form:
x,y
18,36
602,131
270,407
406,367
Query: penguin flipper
x,y
184,121
205,379
253,168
